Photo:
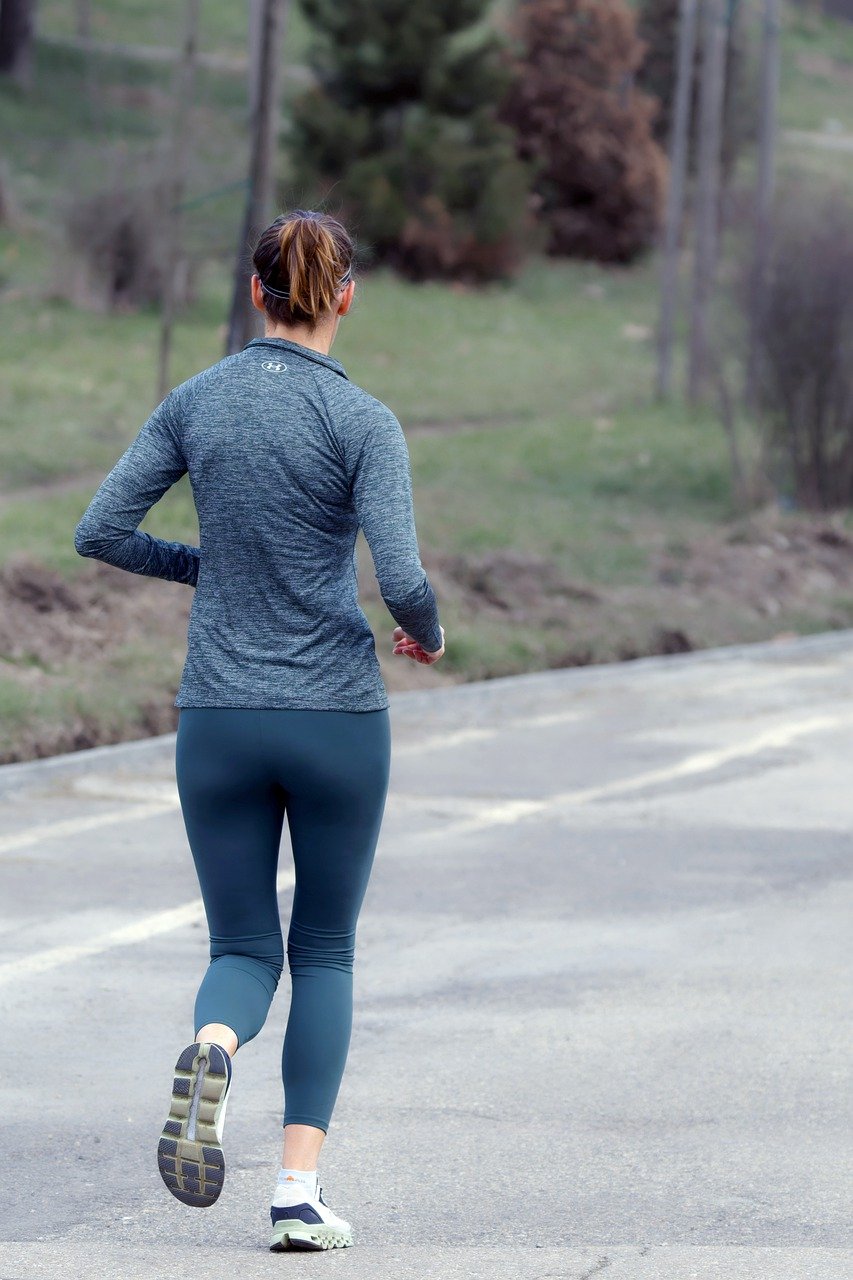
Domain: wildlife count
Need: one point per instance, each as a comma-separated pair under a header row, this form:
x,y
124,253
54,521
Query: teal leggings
x,y
240,771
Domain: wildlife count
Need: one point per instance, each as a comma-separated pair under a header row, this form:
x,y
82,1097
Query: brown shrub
x,y
587,129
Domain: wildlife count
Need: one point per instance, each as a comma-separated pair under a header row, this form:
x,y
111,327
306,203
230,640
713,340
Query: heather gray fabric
x,y
286,458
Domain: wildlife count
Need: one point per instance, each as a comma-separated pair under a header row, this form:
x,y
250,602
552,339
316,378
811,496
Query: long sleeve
x,y
108,528
381,487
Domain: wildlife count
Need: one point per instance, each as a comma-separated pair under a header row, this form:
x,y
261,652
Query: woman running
x,y
283,710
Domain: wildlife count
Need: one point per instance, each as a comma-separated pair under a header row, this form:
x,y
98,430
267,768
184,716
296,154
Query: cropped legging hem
x,y
316,1122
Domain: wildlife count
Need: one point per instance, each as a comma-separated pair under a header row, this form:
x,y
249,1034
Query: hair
x,y
308,256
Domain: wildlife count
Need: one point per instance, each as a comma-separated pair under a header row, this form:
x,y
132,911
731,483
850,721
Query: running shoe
x,y
301,1220
190,1156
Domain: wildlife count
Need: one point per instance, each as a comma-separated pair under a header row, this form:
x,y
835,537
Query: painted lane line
x,y
706,761
459,738
126,935
509,811
701,762
162,797
73,826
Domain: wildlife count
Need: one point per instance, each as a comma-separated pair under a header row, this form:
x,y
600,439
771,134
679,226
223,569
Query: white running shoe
x,y
301,1219
189,1155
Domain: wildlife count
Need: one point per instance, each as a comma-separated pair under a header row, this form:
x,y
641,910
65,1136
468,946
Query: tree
x,y
586,128
261,185
767,129
804,337
707,192
658,27
678,157
180,145
17,30
402,130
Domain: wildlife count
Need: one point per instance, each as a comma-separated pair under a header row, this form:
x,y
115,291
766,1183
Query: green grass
x,y
528,406
554,399
222,27
816,82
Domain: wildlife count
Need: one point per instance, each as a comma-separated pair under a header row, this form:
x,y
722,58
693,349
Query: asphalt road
x,y
602,993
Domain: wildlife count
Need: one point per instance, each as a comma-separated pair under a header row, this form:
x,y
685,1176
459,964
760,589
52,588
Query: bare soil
x,y
760,577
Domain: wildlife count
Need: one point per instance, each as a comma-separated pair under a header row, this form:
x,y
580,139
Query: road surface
x,y
601,1004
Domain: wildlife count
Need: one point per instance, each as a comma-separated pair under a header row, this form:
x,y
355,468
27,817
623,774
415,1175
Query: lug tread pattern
x,y
192,1166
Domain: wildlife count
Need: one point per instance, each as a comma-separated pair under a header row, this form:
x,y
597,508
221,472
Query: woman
x,y
283,710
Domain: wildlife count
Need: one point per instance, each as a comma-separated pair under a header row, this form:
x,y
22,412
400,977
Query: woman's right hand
x,y
409,648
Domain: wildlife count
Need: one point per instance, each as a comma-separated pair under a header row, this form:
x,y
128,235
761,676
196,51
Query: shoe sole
x,y
189,1155
291,1233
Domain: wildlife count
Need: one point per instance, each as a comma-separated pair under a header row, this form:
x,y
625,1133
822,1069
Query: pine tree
x,y
587,129
401,133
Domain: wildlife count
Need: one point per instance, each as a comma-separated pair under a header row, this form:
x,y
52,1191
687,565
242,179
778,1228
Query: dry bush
x,y
581,121
805,347
113,255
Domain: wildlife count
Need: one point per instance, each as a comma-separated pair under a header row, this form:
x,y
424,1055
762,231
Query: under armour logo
x,y
274,366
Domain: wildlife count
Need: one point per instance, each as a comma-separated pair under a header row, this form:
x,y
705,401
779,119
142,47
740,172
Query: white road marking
x,y
109,787
443,741
125,936
162,797
73,826
698,763
706,761
507,811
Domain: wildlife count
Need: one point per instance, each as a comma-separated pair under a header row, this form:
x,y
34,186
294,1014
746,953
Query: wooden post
x,y
707,199
674,216
261,185
17,32
83,9
765,185
181,140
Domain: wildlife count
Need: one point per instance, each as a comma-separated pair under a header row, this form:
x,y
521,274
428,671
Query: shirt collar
x,y
285,344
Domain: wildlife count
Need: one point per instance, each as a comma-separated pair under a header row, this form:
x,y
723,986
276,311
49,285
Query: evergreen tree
x,y
579,118
401,131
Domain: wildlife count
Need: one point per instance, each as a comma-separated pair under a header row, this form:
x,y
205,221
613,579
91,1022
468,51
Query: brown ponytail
x,y
309,257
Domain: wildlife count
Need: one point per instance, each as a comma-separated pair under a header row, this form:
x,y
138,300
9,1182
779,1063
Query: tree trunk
x,y
256,31
707,201
181,139
674,217
261,186
17,31
84,18
765,185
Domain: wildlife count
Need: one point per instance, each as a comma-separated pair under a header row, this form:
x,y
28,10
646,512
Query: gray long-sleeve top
x,y
287,458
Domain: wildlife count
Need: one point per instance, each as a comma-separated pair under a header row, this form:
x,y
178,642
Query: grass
x,y
528,406
554,397
817,71
222,27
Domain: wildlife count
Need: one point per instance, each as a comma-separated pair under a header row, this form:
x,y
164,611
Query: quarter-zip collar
x,y
297,348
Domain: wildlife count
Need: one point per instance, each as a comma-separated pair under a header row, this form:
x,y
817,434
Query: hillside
x,y
563,516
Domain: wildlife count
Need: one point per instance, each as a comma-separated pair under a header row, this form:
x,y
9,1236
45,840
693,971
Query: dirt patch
x,y
756,578
47,620
55,634
767,575
769,563
814,63
522,587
